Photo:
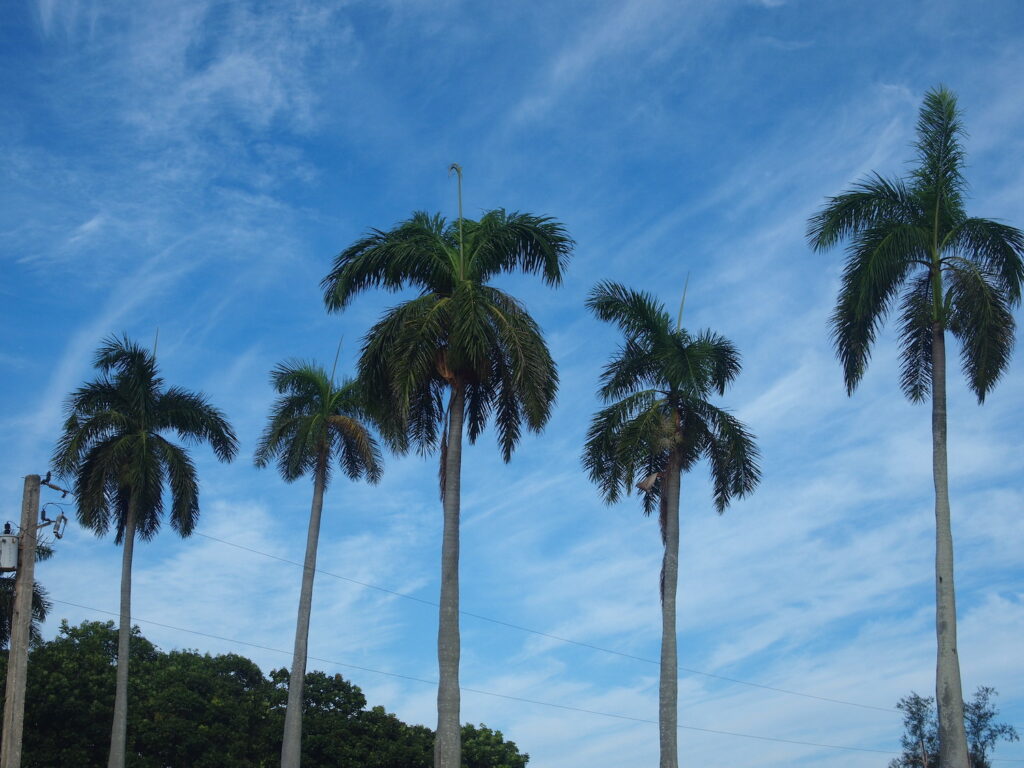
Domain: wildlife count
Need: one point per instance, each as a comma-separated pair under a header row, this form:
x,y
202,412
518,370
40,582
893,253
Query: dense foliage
x,y
192,710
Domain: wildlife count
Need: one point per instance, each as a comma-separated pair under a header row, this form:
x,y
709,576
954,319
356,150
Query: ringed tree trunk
x,y
119,730
948,692
668,688
291,743
448,742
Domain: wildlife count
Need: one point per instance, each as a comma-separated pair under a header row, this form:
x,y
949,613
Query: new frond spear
x,y
312,424
910,242
460,354
657,424
115,447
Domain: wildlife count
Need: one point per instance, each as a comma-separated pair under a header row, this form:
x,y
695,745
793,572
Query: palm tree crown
x,y
658,385
315,420
114,445
459,331
911,242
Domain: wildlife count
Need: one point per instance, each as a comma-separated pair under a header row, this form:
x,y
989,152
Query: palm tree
x,y
911,242
658,424
40,602
313,422
463,338
113,445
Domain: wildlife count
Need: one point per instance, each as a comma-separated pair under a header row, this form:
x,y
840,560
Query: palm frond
x,y
184,486
917,328
506,242
638,314
939,173
872,203
997,248
196,421
732,453
878,261
418,252
982,321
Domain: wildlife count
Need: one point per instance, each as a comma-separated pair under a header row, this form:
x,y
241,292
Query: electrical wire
x,y
482,692
550,636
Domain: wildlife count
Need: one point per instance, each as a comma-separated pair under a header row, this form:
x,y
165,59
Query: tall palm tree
x,y
114,447
312,423
657,425
463,338
911,242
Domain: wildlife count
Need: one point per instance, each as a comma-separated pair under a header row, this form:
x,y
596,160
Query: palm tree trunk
x,y
948,693
448,742
119,730
291,744
668,688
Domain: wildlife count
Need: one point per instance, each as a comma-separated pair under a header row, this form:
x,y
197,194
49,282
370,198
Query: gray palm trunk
x,y
948,693
668,689
448,742
291,744
119,730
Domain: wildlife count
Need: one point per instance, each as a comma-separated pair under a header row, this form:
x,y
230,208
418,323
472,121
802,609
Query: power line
x,y
482,692
550,636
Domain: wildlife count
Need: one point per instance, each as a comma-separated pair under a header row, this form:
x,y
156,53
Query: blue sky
x,y
194,167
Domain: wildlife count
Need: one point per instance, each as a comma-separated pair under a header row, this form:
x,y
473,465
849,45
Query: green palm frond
x,y
731,451
879,259
997,248
503,242
639,315
981,319
939,174
612,462
871,203
420,252
184,484
196,421
917,318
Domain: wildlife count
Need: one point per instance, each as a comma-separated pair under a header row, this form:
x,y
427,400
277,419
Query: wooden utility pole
x,y
21,621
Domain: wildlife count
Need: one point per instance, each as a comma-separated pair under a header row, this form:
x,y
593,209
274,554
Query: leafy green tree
x,y
911,242
920,739
461,351
114,447
658,424
312,423
982,732
192,710
200,711
484,748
